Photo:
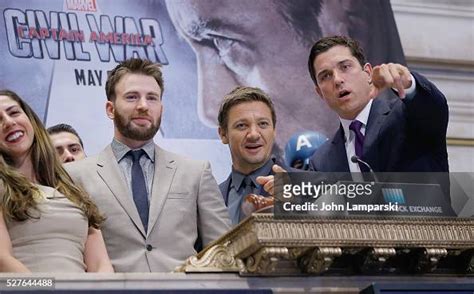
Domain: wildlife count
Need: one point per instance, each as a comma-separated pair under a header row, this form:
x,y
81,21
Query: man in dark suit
x,y
392,134
247,124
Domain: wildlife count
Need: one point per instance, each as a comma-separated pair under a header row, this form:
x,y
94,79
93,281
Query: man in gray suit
x,y
156,202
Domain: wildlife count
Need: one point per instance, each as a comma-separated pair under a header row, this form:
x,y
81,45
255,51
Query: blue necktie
x,y
140,195
355,126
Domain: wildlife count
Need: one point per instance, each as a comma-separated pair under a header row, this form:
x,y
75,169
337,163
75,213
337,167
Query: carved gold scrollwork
x,y
319,260
218,258
265,245
294,253
375,259
265,259
429,258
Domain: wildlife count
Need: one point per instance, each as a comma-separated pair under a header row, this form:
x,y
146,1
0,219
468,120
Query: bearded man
x,y
158,204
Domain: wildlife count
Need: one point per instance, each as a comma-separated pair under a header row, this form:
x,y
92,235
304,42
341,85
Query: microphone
x,y
301,146
356,159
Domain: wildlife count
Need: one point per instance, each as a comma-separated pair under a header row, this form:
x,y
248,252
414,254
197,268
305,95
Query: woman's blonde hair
x,y
19,193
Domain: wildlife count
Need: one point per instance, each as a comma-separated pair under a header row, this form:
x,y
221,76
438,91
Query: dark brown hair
x,y
19,193
240,95
136,66
60,128
327,43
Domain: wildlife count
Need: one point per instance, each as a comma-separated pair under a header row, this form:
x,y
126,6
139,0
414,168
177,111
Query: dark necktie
x,y
140,195
247,188
355,126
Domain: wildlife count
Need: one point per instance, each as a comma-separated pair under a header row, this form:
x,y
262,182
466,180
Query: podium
x,y
301,255
263,245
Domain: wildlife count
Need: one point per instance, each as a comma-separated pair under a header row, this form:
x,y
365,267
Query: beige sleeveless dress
x,y
55,242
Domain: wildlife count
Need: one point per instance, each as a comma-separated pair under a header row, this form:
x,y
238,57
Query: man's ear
x,y
223,135
368,69
318,90
109,109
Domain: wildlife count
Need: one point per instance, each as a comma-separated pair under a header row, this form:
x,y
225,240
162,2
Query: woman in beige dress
x,y
47,224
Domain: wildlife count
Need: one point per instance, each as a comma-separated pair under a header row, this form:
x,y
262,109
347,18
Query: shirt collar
x,y
363,117
120,150
264,170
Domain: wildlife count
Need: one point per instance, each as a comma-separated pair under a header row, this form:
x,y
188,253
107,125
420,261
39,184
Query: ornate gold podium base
x,y
263,245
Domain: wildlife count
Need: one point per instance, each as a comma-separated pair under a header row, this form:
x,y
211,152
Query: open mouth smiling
x,y
14,136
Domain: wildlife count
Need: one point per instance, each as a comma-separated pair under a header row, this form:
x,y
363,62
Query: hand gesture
x,y
268,182
391,75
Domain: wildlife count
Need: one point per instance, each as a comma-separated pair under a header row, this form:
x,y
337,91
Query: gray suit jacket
x,y
185,201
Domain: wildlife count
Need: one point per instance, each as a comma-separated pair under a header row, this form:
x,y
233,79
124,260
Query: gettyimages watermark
x,y
336,194
308,190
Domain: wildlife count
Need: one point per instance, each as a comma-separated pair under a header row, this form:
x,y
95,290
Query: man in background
x,y
67,142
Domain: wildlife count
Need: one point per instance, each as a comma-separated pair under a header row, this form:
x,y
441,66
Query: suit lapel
x,y
165,168
337,157
225,188
109,170
378,113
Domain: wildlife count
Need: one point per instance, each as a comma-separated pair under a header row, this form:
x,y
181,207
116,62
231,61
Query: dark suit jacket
x,y
406,135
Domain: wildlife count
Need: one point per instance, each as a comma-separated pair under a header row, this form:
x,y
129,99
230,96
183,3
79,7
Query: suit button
x,y
149,247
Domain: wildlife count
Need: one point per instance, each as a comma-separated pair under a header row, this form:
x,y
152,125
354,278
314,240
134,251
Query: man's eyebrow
x,y
344,61
321,72
136,92
199,30
240,120
338,63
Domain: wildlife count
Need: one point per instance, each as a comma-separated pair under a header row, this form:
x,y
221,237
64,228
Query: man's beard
x,y
132,132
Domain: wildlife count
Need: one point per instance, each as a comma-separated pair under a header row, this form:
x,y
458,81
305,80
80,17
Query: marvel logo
x,y
81,5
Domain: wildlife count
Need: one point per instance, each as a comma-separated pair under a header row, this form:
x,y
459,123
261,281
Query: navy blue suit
x,y
402,135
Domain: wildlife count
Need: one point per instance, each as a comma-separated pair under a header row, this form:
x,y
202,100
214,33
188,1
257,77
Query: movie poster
x,y
55,54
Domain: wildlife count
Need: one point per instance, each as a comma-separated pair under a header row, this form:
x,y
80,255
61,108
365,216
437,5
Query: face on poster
x,y
56,55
